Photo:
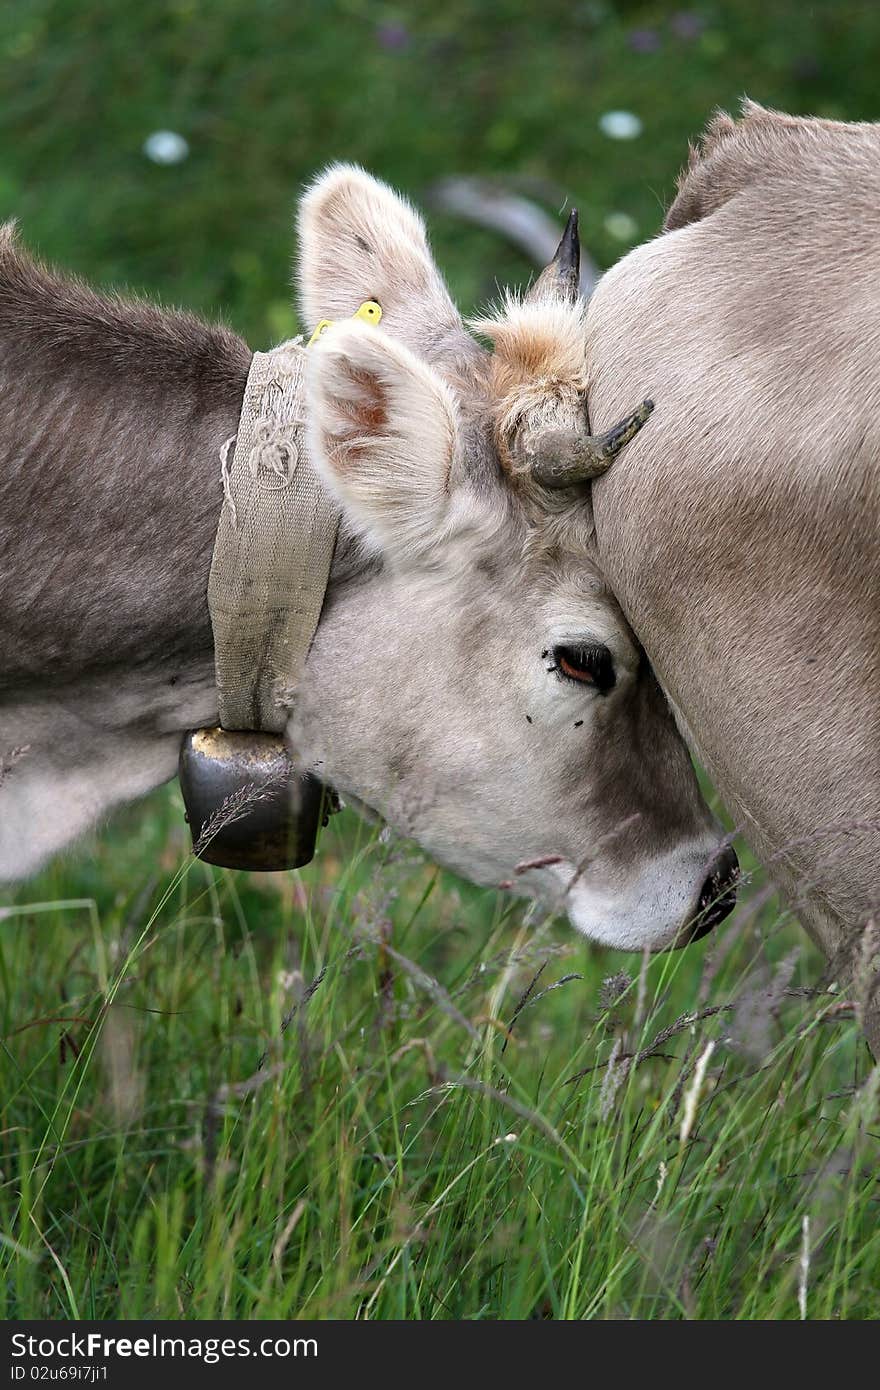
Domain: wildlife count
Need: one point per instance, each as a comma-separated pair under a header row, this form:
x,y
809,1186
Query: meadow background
x,y
367,1089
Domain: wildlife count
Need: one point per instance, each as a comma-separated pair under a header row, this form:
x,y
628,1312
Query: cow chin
x,y
673,898
659,909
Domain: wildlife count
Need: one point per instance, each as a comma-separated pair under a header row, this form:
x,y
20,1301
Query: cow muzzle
x,y
717,897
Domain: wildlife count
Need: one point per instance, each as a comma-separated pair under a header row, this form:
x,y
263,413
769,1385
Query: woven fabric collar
x,y
273,550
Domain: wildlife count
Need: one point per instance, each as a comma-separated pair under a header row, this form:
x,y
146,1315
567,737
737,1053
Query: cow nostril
x,y
718,894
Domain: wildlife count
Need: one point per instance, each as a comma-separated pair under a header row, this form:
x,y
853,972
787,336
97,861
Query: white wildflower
x,y
166,147
621,226
620,125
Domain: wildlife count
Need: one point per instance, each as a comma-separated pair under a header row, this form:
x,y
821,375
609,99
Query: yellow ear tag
x,y
321,328
370,311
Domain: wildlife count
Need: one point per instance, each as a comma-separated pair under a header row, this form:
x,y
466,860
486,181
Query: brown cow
x,y
741,531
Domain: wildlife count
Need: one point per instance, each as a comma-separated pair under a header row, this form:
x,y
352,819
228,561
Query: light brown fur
x,y
538,371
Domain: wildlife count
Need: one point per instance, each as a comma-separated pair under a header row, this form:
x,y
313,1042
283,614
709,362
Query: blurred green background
x,y
267,91
414,1154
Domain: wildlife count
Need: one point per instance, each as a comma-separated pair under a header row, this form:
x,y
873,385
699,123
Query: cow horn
x,y
561,278
563,458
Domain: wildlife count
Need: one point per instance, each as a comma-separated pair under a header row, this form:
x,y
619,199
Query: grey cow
x,y
472,680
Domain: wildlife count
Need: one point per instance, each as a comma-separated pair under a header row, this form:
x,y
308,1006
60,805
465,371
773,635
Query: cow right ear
x,y
359,240
383,435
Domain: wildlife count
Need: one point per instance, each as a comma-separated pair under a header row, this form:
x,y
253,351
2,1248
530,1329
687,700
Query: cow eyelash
x,y
583,664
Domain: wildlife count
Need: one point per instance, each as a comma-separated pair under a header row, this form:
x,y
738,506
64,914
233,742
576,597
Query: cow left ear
x,y
383,434
360,240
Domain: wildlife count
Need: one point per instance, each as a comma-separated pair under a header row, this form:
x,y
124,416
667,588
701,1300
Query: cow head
x,y
472,680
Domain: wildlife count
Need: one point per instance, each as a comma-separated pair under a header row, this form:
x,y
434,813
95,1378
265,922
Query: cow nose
x,y
718,895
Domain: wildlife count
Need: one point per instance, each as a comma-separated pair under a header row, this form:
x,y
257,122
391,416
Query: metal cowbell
x,y
247,805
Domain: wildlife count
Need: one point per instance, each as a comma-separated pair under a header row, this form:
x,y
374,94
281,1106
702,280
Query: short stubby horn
x,y
561,278
563,458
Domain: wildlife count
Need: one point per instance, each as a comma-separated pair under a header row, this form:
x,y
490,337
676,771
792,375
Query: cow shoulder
x,y
762,146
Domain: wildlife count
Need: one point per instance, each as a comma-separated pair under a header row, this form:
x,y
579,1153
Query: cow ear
x,y
383,435
360,240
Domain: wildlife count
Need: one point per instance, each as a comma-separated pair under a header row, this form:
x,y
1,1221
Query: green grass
x,y
407,1149
147,1164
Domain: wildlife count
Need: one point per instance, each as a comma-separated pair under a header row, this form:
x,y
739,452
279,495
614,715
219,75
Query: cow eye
x,y
590,665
